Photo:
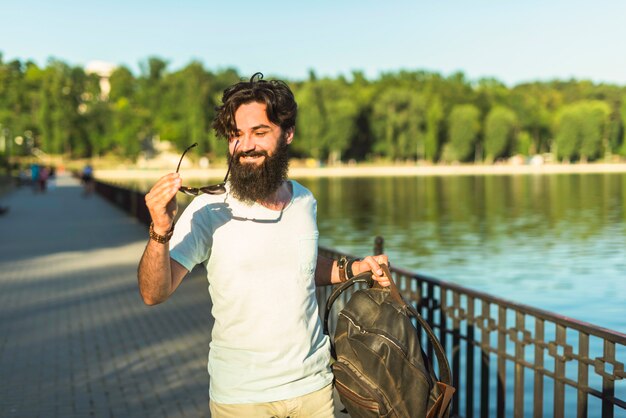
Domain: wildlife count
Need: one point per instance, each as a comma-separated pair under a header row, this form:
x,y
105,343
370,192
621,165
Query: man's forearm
x,y
327,270
154,273
324,271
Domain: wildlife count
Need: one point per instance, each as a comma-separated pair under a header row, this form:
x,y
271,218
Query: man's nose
x,y
246,143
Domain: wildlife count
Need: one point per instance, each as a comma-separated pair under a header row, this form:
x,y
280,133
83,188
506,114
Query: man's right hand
x,y
161,202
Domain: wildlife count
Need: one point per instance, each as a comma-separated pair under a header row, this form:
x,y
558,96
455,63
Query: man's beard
x,y
250,182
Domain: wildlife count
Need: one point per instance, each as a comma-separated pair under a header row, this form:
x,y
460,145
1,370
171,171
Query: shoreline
x,y
379,171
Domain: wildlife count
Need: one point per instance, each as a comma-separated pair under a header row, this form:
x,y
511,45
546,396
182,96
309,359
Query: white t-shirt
x,y
267,342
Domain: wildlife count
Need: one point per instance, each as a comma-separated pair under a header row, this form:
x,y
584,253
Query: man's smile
x,y
250,158
254,157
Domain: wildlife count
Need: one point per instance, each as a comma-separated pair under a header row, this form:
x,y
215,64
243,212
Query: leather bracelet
x,y
349,272
341,265
161,239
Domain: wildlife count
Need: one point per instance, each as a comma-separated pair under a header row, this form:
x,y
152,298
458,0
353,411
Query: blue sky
x,y
512,41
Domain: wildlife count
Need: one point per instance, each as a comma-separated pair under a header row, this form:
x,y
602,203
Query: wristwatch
x,y
341,265
349,272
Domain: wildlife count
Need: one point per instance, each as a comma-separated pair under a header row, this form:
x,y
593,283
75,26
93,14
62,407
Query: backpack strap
x,y
366,277
444,368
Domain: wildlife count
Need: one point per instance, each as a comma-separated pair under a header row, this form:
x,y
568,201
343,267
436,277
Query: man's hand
x,y
161,202
372,263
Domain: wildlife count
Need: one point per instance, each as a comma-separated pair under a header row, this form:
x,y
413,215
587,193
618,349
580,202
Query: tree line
x,y
400,116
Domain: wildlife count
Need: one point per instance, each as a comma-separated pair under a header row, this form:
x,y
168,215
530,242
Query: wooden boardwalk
x,y
75,338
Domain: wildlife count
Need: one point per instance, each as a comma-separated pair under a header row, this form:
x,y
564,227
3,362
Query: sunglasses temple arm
x,y
183,156
180,161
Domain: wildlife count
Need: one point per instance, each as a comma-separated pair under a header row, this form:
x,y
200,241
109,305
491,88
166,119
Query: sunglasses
x,y
219,188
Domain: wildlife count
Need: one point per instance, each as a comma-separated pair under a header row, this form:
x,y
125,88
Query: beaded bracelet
x,y
161,239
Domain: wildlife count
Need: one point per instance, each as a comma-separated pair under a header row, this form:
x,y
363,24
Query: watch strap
x,y
349,272
341,265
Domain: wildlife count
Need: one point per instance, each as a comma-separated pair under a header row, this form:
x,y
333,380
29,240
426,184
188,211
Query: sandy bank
x,y
381,171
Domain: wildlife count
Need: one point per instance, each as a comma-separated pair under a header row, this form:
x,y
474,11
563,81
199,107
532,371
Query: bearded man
x,y
257,237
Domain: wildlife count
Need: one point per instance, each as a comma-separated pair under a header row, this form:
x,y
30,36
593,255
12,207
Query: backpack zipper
x,y
364,331
375,404
393,342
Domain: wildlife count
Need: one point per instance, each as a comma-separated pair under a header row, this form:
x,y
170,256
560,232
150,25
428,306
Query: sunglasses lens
x,y
214,189
191,191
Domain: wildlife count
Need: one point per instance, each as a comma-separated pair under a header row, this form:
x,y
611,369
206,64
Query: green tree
x,y
434,119
535,105
595,126
499,132
581,130
490,93
127,128
61,96
622,113
567,133
15,108
152,93
523,143
340,127
463,129
123,84
399,123
361,93
312,121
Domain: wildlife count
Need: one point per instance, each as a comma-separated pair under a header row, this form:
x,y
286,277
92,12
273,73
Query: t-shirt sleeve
x,y
192,238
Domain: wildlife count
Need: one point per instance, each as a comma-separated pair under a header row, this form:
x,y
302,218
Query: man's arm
x,y
327,270
158,274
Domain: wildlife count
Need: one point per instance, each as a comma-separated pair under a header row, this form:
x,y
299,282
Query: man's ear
x,y
289,135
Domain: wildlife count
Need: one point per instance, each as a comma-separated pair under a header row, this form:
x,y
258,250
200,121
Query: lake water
x,y
557,242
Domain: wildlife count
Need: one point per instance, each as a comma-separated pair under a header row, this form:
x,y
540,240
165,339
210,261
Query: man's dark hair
x,y
281,106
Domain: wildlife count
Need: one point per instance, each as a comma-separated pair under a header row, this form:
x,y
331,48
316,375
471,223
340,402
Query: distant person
x,y
44,173
34,175
3,210
52,178
257,237
87,180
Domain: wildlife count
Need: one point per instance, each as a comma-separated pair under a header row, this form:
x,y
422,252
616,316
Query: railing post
x,y
379,245
608,383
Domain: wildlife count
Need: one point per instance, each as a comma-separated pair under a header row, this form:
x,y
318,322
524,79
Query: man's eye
x,y
261,133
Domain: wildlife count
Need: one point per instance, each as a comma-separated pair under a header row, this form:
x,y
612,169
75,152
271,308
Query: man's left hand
x,y
372,263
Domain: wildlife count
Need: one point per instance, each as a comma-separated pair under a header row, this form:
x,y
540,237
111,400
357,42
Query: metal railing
x,y
507,359
130,201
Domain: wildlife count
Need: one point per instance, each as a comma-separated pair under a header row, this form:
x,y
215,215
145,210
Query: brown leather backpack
x,y
380,368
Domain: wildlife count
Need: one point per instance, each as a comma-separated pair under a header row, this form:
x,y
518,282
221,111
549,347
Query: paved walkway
x,y
75,338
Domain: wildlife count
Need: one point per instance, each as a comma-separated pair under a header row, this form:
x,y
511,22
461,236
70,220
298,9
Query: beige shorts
x,y
318,404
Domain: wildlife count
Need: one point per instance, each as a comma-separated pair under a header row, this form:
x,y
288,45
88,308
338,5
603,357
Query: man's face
x,y
261,159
